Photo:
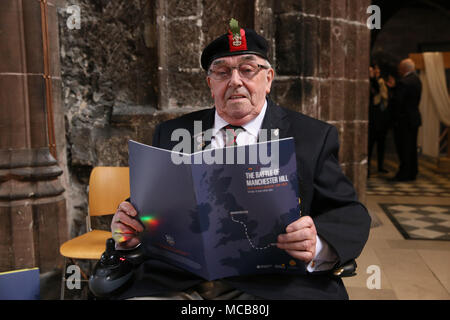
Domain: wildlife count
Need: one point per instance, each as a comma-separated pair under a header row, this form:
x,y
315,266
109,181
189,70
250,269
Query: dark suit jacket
x,y
405,102
326,194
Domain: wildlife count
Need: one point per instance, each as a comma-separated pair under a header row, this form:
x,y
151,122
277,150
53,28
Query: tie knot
x,y
231,127
231,134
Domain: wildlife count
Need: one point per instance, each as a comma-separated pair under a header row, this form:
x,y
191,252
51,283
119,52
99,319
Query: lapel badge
x,y
276,132
200,141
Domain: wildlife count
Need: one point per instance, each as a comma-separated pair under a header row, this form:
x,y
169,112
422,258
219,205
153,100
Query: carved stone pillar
x,y
322,62
32,205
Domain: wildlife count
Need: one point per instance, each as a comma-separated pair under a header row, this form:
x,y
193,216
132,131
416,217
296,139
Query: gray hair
x,y
408,65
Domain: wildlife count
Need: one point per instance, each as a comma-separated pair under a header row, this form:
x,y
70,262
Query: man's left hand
x,y
300,239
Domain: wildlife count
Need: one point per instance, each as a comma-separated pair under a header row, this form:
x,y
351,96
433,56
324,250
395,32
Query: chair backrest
x,y
108,187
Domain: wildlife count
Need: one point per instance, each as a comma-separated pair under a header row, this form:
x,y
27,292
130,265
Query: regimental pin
x,y
237,40
236,31
201,144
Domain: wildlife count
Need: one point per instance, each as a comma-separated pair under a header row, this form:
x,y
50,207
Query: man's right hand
x,y
125,228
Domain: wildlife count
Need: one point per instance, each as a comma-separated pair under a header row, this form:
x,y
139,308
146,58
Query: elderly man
x,y
406,120
334,226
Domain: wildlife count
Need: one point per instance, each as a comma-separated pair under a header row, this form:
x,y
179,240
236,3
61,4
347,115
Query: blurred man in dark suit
x,y
406,120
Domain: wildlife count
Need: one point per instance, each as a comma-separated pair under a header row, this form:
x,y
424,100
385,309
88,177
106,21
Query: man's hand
x,y
124,227
300,239
390,82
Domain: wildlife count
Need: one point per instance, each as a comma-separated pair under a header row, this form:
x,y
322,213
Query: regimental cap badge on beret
x,y
236,36
237,41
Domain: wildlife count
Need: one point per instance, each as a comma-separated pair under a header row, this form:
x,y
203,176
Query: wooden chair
x,y
108,187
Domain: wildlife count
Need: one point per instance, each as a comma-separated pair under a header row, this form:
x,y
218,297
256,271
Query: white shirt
x,y
325,257
249,136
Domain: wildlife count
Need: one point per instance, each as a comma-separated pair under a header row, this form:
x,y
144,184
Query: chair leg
x,y
83,274
63,279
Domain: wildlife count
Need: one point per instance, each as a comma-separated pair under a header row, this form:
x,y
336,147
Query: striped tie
x,y
231,134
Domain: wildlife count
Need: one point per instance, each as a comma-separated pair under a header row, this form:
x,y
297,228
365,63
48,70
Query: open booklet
x,y
217,213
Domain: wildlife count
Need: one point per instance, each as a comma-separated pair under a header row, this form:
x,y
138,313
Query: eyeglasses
x,y
246,70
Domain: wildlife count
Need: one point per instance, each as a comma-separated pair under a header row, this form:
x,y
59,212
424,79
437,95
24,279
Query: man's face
x,y
377,71
239,99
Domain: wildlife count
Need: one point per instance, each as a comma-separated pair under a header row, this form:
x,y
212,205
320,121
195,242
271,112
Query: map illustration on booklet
x,y
217,213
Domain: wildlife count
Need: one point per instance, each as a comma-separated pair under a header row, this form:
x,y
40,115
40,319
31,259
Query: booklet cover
x,y
217,213
21,284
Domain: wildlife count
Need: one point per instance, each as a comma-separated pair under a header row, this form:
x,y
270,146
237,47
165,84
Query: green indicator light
x,y
147,218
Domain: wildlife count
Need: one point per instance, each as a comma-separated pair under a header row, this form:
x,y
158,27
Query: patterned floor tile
x,y
416,221
434,209
402,208
428,183
445,224
425,233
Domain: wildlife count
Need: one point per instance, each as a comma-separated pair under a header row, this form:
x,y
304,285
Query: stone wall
x,y
110,62
321,58
135,63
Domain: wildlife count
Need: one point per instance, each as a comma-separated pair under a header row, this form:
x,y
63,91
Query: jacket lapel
x,y
199,139
275,123
277,118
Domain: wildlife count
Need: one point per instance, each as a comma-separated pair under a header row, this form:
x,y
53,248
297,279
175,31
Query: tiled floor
x,y
408,268
428,183
420,221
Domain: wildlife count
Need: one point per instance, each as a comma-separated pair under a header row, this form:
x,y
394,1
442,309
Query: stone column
x,y
180,38
32,205
322,60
